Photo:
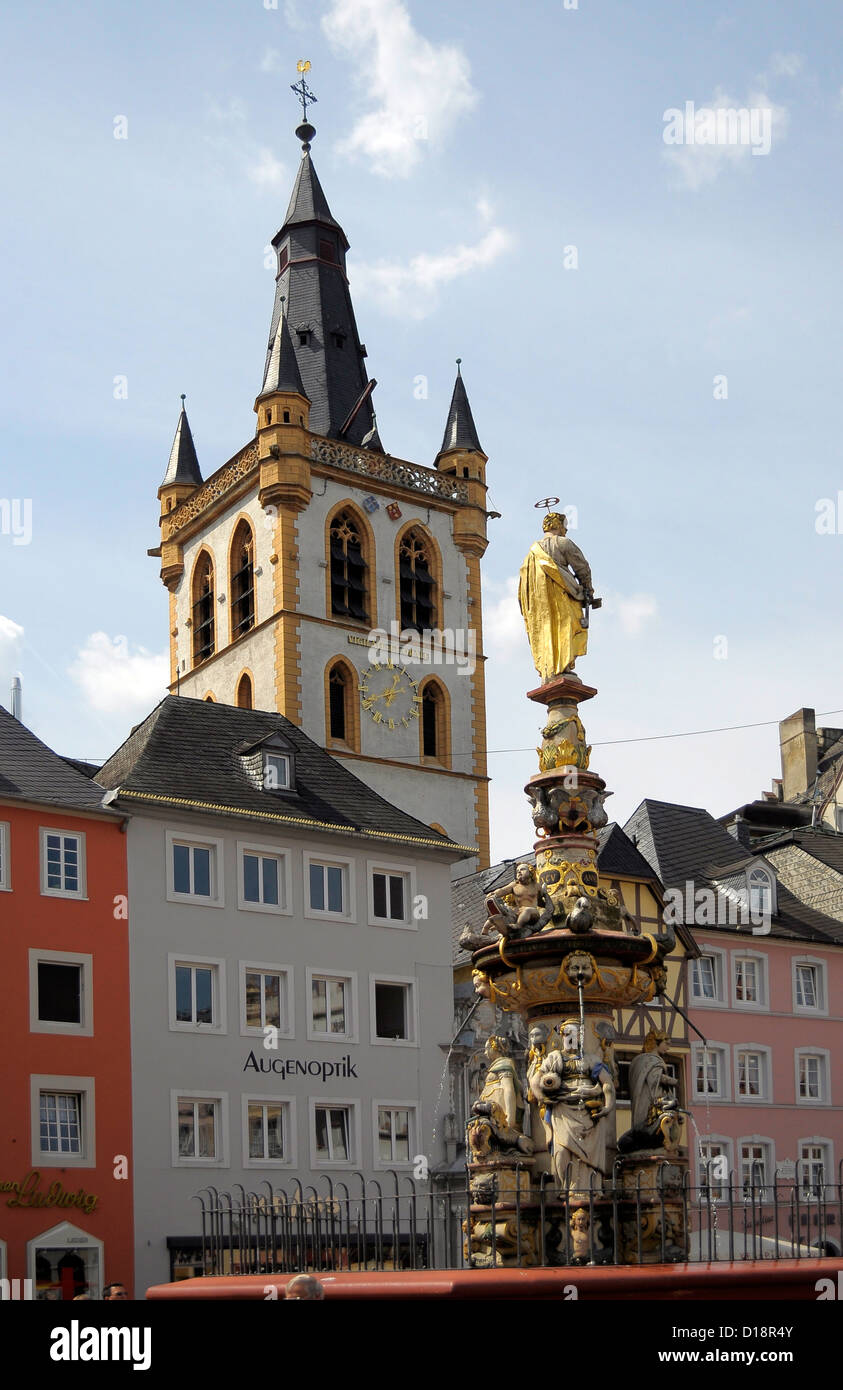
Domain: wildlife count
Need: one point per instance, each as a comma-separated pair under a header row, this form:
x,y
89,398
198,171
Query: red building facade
x,y
66,1218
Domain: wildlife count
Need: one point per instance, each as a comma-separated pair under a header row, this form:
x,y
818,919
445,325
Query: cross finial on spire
x,y
182,398
301,88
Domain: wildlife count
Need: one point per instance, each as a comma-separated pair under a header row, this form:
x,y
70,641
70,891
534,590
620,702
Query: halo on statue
x,y
547,503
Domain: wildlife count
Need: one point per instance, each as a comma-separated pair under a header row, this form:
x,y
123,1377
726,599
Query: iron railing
x,y
414,1225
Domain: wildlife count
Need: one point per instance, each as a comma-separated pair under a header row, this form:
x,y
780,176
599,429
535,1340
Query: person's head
x,y
656,1041
538,1035
496,1046
555,523
524,873
112,1291
306,1287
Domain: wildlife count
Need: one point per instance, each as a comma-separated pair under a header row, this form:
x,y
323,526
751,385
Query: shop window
x,y
65,1262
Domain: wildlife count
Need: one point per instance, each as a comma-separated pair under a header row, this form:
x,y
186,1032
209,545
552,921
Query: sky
x,y
650,331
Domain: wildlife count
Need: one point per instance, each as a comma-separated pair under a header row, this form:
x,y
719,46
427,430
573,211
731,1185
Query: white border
x,y
825,1057
178,836
766,1096
725,1072
292,1144
721,983
5,860
355,1133
65,1234
412,1011
82,894
84,1029
264,968
408,872
221,1099
77,1085
186,958
269,851
761,960
804,1010
398,1163
728,1145
325,973
337,861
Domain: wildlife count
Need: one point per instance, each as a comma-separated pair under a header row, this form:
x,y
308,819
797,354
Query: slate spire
x,y
184,465
282,371
460,431
312,294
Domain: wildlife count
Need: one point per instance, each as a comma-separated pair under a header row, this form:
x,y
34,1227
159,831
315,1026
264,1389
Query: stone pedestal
x,y
651,1209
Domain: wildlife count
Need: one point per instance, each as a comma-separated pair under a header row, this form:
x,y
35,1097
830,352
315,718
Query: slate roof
x,y
312,293
183,466
617,857
282,372
460,430
824,845
30,771
187,753
686,844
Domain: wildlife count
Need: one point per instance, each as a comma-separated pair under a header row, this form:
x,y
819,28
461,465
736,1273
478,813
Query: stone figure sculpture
x,y
580,1093
496,1124
538,1112
652,1091
532,908
555,594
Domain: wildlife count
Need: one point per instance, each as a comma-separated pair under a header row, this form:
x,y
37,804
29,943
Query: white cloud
x,y
267,171
411,289
698,164
232,112
270,62
117,681
10,632
418,89
294,19
786,64
633,611
503,626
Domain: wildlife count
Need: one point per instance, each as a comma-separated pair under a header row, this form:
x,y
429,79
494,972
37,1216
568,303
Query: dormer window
x,y
283,258
276,772
304,336
760,885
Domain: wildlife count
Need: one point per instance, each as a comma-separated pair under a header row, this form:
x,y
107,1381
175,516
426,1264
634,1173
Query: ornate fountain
x,y
549,1182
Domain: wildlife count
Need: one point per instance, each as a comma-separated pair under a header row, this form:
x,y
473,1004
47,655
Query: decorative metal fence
x,y
358,1225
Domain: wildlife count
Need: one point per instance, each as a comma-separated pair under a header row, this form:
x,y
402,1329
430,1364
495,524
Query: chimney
x,y
17,700
798,740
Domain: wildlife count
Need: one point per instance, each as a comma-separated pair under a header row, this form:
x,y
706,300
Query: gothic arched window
x,y
245,694
202,612
348,567
416,582
342,708
242,582
337,702
434,722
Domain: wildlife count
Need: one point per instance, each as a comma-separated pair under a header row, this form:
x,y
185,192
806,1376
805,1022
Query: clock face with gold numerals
x,y
390,695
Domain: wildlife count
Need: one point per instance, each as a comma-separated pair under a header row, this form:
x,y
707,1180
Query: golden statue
x,y
554,595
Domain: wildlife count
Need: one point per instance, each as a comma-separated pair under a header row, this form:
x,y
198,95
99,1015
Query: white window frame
x,y
217,965
187,836
83,1029
818,964
726,1143
289,1104
220,1099
83,1086
81,893
724,1094
760,960
400,1163
265,850
330,861
412,1010
71,1237
354,1131
349,978
5,862
405,871
759,868
249,967
721,999
765,1073
829,1174
277,755
763,1141
824,1056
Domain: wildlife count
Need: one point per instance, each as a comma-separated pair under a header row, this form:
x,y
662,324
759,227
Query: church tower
x,y
290,565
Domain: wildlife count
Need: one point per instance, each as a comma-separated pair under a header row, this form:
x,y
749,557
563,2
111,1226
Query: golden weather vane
x,y
301,88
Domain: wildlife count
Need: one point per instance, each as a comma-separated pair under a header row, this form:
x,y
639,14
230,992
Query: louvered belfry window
x,y
348,568
415,583
203,610
242,582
